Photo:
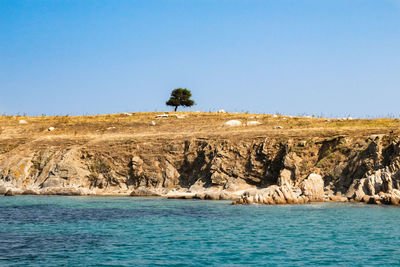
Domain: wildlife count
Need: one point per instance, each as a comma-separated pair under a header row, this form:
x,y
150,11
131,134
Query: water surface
x,y
93,231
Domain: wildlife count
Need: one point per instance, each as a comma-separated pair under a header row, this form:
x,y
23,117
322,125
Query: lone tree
x,y
180,97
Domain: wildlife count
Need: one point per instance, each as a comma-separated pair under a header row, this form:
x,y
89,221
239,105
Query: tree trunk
x,y
176,107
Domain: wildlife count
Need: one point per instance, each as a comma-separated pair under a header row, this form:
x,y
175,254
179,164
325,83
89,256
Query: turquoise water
x,y
93,231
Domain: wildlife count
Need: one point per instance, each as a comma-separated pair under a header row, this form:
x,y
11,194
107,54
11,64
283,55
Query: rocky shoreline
x,y
259,170
311,190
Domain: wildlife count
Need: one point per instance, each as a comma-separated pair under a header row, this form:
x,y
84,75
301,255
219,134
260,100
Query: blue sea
x,y
125,231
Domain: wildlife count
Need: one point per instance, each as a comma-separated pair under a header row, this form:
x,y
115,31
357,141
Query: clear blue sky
x,y
330,57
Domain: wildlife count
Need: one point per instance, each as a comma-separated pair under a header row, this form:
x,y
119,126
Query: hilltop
x,y
192,124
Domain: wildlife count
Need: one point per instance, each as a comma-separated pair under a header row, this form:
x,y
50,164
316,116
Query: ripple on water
x,y
39,230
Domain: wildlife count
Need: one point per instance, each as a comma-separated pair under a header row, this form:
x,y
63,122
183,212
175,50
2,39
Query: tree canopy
x,y
180,97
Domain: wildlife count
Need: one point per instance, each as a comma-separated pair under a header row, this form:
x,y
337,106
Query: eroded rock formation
x,y
256,170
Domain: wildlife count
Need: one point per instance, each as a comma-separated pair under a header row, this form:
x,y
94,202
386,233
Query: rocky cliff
x,y
255,169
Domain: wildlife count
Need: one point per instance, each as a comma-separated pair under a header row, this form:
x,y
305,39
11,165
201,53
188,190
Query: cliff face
x,y
257,169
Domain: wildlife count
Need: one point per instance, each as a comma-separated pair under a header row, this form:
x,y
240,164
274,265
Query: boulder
x,y
313,187
253,123
219,178
182,116
378,183
271,195
233,123
161,116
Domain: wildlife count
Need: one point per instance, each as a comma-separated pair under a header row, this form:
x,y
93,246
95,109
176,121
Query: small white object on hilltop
x,y
346,119
160,116
182,116
127,114
51,129
275,116
22,122
253,123
221,111
233,123
152,123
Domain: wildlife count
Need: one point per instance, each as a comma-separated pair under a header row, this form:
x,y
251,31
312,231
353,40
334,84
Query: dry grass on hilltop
x,y
195,123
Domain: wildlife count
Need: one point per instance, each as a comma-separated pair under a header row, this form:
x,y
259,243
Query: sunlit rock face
x,y
245,170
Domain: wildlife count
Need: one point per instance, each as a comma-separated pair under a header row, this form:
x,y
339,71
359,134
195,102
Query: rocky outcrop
x,y
309,190
257,170
379,187
313,187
